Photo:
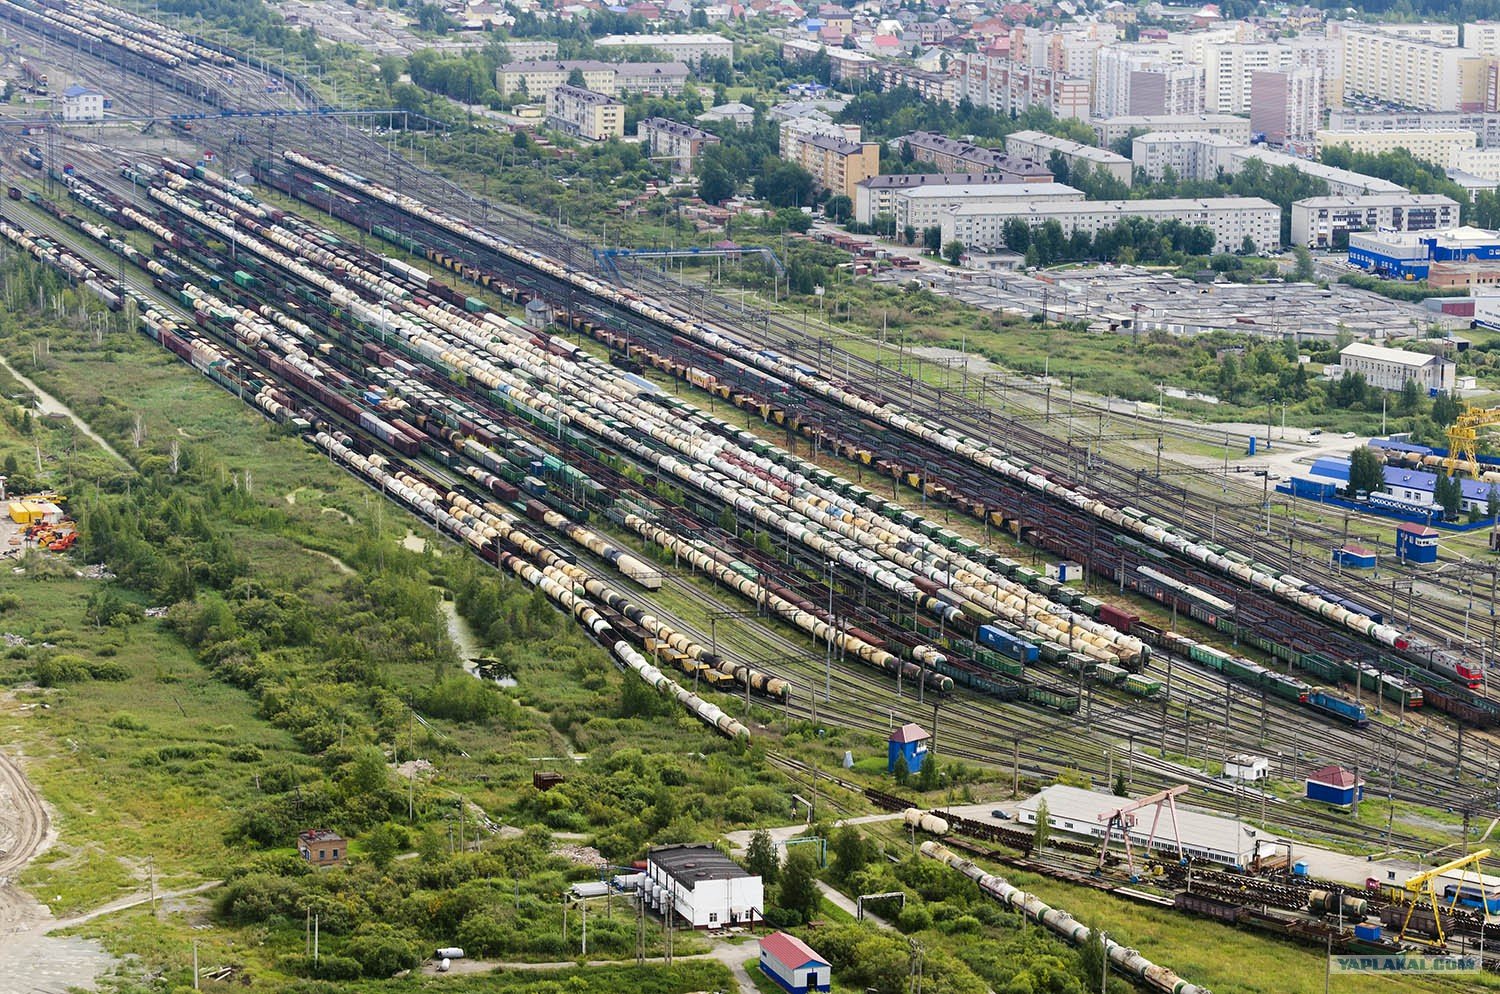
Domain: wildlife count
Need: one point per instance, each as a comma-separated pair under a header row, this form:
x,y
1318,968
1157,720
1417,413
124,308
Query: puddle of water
x,y
468,645
48,404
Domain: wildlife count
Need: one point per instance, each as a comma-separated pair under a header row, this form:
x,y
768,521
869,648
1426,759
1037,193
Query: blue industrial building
x,y
1334,785
1355,557
1408,490
1408,255
910,741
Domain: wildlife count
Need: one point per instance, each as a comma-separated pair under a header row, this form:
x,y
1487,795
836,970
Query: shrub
x,y
245,754
54,671
382,951
127,722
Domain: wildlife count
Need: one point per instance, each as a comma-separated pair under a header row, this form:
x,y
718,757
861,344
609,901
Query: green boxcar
x,y
1077,662
1060,700
1047,586
1109,673
998,663
1090,606
1320,666
1142,686
1239,668
1051,652
475,306
242,278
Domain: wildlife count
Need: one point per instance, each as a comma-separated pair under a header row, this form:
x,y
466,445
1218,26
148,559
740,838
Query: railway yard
x,y
768,527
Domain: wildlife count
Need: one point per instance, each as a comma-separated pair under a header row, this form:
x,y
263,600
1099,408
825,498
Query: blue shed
x,y
1416,543
1356,557
1334,785
910,740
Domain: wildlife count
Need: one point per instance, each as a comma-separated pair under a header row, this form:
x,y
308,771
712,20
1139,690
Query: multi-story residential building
x,y
1040,146
1007,87
1484,124
922,207
585,114
1483,38
526,49
877,195
1112,129
1189,155
1322,222
836,164
1287,105
1231,219
1146,79
1412,71
847,65
612,78
938,87
952,155
1341,182
796,129
1228,69
682,143
689,48
1433,145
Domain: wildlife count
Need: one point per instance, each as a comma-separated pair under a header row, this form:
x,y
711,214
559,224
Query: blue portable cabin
x,y
910,741
1334,785
1356,557
1416,543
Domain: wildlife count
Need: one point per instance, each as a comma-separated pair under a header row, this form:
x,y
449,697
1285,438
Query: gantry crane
x,y
1463,439
1422,884
1123,818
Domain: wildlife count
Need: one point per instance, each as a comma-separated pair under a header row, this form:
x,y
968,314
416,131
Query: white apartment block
x,y
1408,71
689,48
585,114
799,129
538,78
1146,79
1484,124
682,143
1040,146
1010,88
1318,220
923,206
1479,163
1190,156
1432,145
1112,129
877,194
1483,38
1227,71
1232,219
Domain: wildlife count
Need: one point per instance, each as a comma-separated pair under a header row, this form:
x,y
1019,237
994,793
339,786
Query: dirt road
x,y
30,959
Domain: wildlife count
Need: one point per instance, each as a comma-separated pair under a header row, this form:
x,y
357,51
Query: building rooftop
x,y
1124,207
840,145
587,96
907,181
1147,120
77,90
1334,776
791,951
1008,190
1197,137
1379,353
910,732
670,39
1069,147
1329,174
319,835
1392,199
677,128
692,862
1197,829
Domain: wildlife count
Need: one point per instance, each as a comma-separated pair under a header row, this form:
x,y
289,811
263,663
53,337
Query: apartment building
x,y
537,78
1341,182
1232,219
526,49
1040,146
1323,222
1412,71
1484,124
1287,105
847,65
1228,69
1189,155
923,207
689,48
1112,129
682,143
938,87
1008,87
1440,147
952,155
836,164
1146,79
585,114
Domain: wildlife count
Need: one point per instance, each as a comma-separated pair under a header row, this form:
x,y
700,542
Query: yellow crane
x,y
1421,886
1463,438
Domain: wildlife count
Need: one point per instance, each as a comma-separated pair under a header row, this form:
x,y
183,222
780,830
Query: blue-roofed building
x,y
1408,255
82,103
1411,488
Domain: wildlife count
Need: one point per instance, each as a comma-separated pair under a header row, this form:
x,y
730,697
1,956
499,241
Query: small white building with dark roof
x,y
702,886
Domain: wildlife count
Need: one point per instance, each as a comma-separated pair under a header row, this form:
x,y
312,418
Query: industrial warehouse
x,y
583,570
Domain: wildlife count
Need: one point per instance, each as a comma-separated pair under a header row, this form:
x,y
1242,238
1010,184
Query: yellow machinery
x,y
1463,439
1422,885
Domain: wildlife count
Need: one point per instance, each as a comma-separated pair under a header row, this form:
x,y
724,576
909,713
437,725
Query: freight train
x,y
986,454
